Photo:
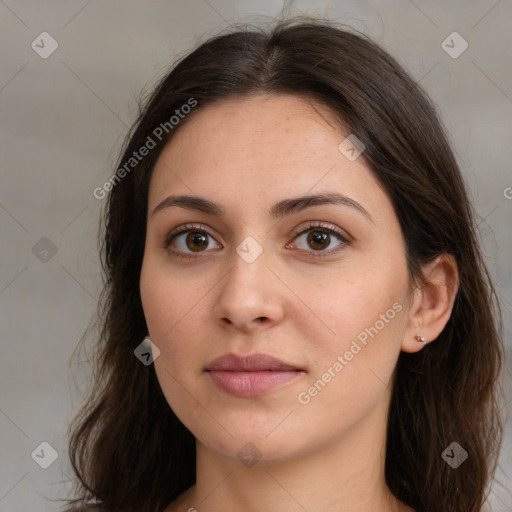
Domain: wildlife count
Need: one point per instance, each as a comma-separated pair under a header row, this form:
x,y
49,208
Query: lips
x,y
252,375
252,363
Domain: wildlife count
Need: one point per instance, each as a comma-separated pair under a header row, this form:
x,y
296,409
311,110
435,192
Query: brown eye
x,y
196,241
317,240
189,240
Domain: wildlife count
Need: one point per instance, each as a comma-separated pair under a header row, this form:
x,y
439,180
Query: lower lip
x,y
248,384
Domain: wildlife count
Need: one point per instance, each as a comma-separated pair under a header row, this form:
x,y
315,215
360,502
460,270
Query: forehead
x,y
263,126
260,149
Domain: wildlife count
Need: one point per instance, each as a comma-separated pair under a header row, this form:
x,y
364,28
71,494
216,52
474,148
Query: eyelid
x,y
183,228
319,224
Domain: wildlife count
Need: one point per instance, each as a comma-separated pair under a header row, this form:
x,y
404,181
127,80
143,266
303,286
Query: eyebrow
x,y
279,210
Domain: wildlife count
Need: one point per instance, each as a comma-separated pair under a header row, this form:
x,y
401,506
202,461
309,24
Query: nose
x,y
250,296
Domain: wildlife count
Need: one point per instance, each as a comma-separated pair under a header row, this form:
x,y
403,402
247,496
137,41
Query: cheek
x,y
356,356
168,297
352,368
348,307
170,318
172,306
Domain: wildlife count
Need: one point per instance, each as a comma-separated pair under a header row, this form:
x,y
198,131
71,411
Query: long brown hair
x,y
127,447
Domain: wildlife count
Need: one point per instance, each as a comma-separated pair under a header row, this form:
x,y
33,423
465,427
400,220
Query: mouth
x,y
247,376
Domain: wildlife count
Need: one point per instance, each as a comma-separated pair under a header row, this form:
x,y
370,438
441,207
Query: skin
x,y
246,155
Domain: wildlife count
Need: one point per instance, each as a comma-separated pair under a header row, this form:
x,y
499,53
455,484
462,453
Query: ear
x,y
432,303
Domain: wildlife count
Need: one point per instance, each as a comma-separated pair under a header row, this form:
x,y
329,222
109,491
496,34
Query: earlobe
x,y
433,303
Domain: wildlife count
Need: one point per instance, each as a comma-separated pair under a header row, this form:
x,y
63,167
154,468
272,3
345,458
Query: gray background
x,y
64,118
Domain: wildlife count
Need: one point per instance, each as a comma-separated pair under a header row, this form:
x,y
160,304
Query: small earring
x,y
422,340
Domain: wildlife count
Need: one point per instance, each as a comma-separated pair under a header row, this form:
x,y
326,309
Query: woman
x,y
297,315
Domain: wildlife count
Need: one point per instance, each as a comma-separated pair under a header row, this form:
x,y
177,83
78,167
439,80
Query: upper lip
x,y
249,363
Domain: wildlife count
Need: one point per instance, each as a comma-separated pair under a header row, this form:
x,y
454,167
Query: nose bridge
x,y
249,271
247,292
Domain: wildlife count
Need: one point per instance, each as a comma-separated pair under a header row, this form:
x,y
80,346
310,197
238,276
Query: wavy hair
x,y
127,447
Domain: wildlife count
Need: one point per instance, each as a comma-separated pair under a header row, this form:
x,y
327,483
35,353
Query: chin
x,y
250,445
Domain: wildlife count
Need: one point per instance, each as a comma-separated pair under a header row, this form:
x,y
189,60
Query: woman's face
x,y
320,286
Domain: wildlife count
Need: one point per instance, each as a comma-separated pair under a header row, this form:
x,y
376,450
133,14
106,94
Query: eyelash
x,y
201,229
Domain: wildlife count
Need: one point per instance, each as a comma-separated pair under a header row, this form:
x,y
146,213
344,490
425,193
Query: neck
x,y
346,477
